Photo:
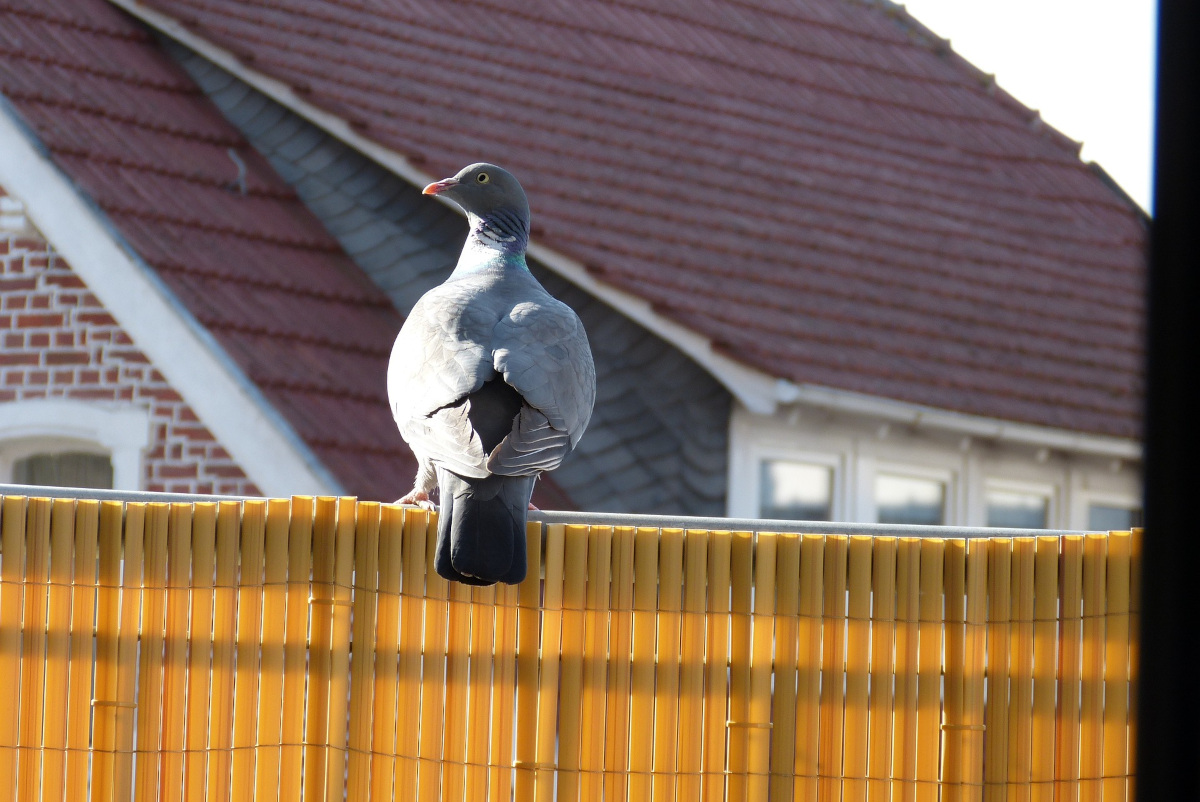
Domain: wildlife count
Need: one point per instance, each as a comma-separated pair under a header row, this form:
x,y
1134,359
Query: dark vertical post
x,y
1168,752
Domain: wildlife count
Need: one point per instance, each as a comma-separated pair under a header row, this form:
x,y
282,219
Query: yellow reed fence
x,y
302,649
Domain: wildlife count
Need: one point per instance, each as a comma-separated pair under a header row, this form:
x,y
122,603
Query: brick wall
x,y
57,341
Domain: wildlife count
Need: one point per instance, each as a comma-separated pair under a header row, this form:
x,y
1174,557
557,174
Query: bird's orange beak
x,y
440,186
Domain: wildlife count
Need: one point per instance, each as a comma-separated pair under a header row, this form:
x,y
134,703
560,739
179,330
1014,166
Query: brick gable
x,y
58,341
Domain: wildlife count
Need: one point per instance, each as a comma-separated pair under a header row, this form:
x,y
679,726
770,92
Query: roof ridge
x,y
1117,188
941,46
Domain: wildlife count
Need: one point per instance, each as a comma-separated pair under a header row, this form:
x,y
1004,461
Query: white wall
x,y
857,447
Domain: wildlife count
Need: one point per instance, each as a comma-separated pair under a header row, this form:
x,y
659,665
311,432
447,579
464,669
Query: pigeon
x,y
491,382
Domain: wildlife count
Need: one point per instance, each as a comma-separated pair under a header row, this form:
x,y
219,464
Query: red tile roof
x,y
257,269
824,189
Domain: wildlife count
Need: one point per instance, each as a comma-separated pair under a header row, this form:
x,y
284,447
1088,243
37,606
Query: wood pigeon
x,y
491,382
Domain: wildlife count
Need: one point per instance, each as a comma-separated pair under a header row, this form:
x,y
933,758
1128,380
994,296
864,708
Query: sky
x,y
1086,65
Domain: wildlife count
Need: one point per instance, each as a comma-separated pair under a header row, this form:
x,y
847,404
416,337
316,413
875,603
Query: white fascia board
x,y
757,391
195,365
956,422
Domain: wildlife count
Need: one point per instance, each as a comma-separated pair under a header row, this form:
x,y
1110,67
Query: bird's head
x,y
494,201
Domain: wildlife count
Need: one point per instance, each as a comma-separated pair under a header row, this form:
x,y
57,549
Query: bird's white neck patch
x,y
502,230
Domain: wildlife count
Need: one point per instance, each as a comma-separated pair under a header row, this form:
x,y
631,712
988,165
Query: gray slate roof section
x,y
658,439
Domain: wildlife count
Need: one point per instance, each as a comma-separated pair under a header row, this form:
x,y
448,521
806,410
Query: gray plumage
x,y
491,382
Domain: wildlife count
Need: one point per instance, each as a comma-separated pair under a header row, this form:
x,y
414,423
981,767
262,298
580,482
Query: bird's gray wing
x,y
441,355
542,351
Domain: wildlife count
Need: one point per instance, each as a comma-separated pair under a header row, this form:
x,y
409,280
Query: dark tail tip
x,y
481,531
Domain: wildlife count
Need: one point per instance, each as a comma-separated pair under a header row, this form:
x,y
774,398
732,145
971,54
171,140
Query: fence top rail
x,y
91,493
605,518
802,527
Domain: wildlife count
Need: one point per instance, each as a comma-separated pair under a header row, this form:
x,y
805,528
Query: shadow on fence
x,y
300,649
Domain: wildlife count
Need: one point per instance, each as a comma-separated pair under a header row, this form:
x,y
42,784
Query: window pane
x,y
65,470
907,500
795,491
1017,510
1104,517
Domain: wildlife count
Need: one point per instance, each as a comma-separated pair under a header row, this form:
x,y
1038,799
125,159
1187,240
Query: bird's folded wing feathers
x,y
541,350
532,446
441,353
448,438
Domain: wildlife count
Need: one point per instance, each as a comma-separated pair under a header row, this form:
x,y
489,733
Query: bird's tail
x,y
481,528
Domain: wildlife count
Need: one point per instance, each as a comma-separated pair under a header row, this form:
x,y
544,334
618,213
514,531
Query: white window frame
x,y
55,426
1107,499
834,462
1051,492
947,476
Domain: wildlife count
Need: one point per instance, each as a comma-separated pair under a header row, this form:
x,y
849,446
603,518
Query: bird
x,y
491,382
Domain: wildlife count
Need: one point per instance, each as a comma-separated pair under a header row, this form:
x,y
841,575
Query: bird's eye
x,y
483,178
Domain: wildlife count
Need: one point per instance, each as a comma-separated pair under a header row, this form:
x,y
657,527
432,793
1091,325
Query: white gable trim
x,y
228,403
979,426
759,392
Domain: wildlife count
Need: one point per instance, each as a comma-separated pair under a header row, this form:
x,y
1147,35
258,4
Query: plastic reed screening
x,y
303,649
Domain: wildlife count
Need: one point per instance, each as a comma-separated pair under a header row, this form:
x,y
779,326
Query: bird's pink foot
x,y
531,506
418,498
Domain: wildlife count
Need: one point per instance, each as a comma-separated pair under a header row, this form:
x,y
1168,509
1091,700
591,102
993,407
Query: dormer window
x,y
909,500
795,491
1115,517
64,469
1018,507
66,443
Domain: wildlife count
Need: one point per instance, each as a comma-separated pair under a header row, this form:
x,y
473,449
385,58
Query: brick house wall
x,y
58,342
